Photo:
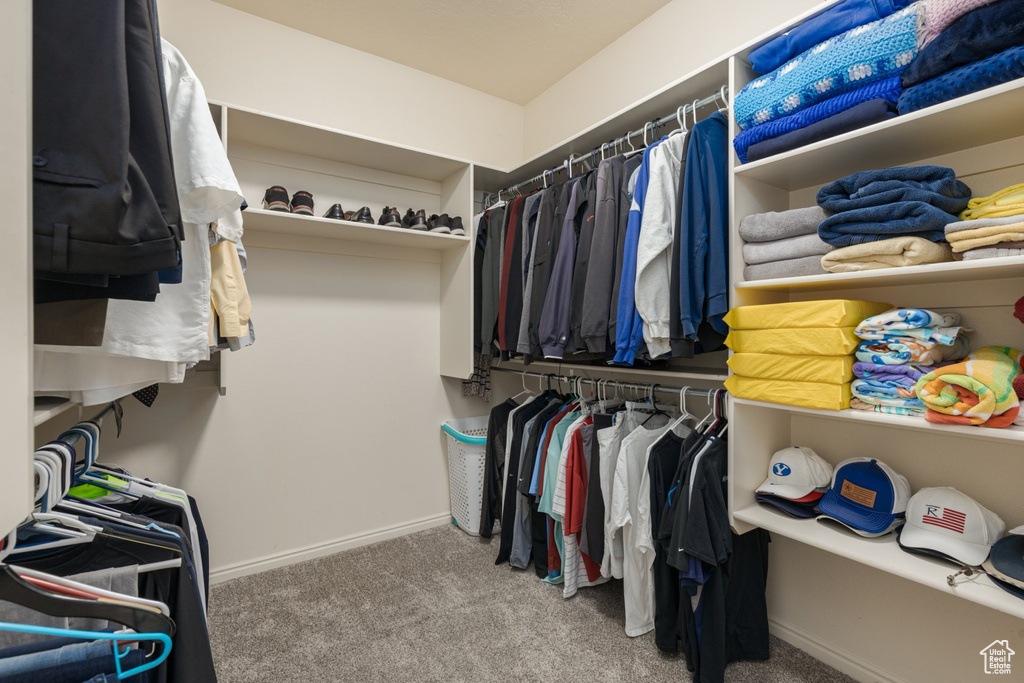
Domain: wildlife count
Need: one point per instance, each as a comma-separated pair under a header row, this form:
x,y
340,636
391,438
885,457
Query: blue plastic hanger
x,y
116,638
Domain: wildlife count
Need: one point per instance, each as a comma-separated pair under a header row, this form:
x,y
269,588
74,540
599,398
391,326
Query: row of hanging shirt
x,y
108,579
112,322
627,262
592,490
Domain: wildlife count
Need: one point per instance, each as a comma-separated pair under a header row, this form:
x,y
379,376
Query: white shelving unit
x,y
981,136
47,408
354,170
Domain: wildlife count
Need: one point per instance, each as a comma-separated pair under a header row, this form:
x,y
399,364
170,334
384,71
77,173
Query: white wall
x,y
676,40
251,62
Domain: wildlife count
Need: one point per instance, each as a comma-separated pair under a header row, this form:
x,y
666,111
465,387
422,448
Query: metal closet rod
x,y
690,391
675,117
98,419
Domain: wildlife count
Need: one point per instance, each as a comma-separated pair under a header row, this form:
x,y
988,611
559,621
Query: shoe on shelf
x,y
363,215
335,212
302,203
456,226
440,224
416,220
276,199
390,217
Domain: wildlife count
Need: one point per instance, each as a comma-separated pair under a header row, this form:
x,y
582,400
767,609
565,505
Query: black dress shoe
x,y
363,215
335,212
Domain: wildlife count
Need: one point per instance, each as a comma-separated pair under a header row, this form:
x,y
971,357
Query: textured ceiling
x,y
514,50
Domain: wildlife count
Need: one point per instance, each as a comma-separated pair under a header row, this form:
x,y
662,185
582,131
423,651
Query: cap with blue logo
x,y
795,473
867,496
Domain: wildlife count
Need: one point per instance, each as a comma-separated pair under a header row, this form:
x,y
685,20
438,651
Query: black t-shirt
x,y
494,465
508,510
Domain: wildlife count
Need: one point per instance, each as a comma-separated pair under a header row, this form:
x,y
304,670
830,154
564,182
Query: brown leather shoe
x,y
390,217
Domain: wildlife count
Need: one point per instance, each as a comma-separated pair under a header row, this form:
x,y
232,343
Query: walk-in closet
x,y
474,341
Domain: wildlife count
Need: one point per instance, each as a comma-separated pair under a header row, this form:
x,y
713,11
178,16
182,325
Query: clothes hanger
x,y
74,588
725,102
524,391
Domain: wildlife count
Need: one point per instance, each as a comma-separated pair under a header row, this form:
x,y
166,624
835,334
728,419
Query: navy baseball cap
x,y
867,496
800,511
1006,561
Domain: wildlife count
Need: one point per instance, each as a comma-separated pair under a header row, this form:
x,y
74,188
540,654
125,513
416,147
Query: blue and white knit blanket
x,y
862,55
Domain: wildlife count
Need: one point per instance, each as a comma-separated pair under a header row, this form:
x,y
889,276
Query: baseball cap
x,y
867,496
795,472
945,522
791,508
1005,562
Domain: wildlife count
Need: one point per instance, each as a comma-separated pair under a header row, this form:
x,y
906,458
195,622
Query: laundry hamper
x,y
467,438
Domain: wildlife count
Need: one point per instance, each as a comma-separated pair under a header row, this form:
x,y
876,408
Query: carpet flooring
x,y
433,607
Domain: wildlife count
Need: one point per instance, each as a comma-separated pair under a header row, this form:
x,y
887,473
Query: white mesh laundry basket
x,y
467,438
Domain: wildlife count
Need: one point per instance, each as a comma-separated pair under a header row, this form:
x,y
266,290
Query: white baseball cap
x,y
795,472
949,523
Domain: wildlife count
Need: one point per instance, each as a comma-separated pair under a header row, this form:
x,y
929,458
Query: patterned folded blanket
x,y
858,404
977,391
860,56
905,321
1009,201
887,90
903,375
909,350
895,252
933,185
882,394
1006,66
873,223
978,34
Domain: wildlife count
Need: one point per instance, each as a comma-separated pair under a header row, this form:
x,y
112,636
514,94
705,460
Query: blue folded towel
x,y
860,56
837,19
1006,66
888,89
980,33
873,223
934,185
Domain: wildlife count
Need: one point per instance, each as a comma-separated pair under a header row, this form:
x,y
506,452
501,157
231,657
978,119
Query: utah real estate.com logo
x,y
997,657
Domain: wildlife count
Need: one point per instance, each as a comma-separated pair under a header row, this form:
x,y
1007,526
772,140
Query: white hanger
x,y
725,102
524,391
693,108
92,590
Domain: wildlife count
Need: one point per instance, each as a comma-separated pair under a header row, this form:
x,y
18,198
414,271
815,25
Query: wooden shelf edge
x,y
292,224
883,554
1004,435
46,408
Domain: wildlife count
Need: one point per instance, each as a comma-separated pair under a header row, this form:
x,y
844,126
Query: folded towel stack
x,y
890,217
992,226
977,391
797,353
899,347
783,244
846,80
969,45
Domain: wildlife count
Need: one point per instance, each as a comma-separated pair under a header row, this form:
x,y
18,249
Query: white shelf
x,y
47,408
1005,435
984,117
957,271
884,554
261,220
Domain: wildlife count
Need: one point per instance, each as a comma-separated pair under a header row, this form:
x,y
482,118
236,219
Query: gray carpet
x,y
433,607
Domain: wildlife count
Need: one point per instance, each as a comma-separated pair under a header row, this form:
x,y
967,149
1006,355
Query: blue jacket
x,y
704,229
629,331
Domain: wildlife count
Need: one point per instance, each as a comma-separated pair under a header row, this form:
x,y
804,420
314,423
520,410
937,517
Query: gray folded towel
x,y
785,249
778,225
808,265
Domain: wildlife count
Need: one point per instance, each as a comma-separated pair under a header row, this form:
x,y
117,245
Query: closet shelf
x,y
1004,435
570,368
261,220
984,117
884,554
46,408
937,273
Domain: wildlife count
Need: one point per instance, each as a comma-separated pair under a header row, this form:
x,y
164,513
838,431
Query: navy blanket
x,y
873,223
1008,65
933,185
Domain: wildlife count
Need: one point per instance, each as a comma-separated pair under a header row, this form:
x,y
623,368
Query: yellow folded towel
x,y
1007,202
819,395
800,314
832,369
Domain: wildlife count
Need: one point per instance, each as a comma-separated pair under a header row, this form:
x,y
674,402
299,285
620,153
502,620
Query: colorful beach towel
x,y
909,350
903,375
881,394
858,404
976,391
916,323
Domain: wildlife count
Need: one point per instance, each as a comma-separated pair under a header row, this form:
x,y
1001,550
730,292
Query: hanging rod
x,y
675,117
633,386
98,419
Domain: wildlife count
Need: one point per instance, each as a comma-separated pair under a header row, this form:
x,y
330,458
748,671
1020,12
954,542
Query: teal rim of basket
x,y
464,438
